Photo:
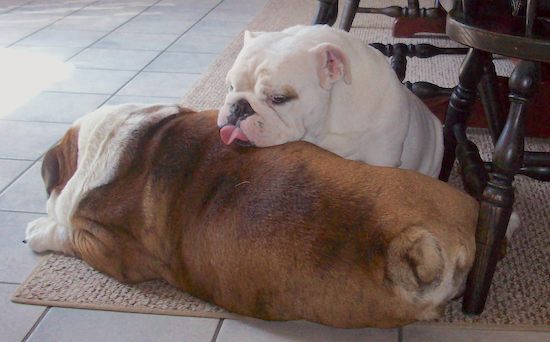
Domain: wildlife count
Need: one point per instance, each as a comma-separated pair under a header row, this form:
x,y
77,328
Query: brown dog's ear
x,y
332,65
50,169
60,162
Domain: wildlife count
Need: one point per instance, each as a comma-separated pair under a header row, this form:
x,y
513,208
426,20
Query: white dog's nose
x,y
239,110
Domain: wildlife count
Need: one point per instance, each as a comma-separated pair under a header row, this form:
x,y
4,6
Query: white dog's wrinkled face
x,y
278,88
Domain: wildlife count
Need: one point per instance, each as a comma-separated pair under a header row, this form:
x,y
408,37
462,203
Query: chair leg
x,y
327,12
350,9
460,105
498,197
488,93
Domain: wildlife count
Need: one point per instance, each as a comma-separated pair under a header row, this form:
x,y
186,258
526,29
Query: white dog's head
x,y
280,84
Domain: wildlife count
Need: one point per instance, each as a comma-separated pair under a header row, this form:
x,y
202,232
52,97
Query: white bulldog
x,y
327,87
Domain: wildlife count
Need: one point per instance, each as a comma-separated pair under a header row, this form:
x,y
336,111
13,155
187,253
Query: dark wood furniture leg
x,y
327,12
350,9
460,104
488,92
417,20
498,197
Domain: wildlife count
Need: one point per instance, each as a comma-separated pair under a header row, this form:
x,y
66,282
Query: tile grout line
x,y
147,50
139,70
21,212
50,24
104,94
8,283
3,190
113,30
39,121
217,331
14,159
81,93
161,52
38,321
17,7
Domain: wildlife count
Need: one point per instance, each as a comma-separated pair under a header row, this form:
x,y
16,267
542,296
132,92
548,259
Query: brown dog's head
x,y
106,133
60,162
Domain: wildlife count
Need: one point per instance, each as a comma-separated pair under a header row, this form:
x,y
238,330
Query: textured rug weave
x,y
521,288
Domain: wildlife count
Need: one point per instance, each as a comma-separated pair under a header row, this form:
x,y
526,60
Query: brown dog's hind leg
x,y
118,256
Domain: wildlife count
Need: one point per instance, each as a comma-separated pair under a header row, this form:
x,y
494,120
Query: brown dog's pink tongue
x,y
229,133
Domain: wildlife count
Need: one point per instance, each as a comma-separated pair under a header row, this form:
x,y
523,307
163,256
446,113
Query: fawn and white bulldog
x,y
280,233
327,87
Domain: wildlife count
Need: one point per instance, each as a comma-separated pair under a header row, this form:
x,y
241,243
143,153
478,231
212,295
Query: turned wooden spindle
x,y
473,170
428,50
426,90
327,12
460,105
399,53
498,196
417,50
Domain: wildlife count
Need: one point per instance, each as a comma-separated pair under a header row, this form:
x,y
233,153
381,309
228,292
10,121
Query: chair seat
x,y
499,39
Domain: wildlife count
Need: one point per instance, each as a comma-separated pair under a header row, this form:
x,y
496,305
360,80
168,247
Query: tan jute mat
x,y
520,293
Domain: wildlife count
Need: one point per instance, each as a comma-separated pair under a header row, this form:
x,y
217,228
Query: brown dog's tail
x,y
422,268
415,260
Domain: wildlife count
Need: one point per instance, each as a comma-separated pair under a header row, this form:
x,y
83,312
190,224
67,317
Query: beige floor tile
x,y
263,331
17,260
15,319
444,334
88,325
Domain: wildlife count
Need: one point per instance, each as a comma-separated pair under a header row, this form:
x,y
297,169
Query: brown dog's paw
x,y
415,261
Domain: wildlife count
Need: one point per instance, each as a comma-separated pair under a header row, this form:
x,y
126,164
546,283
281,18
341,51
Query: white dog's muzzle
x,y
231,131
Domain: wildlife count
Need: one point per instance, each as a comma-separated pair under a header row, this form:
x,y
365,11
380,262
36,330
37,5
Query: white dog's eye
x,y
230,87
279,99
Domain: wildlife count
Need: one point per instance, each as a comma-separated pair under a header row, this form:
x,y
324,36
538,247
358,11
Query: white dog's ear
x,y
249,35
332,64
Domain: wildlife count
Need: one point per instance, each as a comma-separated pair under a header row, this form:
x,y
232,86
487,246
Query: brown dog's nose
x,y
239,111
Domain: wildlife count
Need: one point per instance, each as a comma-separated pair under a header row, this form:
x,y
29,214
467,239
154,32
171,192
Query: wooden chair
x,y
408,20
327,13
487,27
490,27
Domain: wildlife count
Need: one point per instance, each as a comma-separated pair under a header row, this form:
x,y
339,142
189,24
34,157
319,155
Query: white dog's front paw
x,y
45,234
513,225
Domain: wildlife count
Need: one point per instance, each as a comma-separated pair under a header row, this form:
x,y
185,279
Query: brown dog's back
x,y
288,232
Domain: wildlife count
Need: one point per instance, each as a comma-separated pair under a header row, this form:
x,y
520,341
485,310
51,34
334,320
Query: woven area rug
x,y
520,294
